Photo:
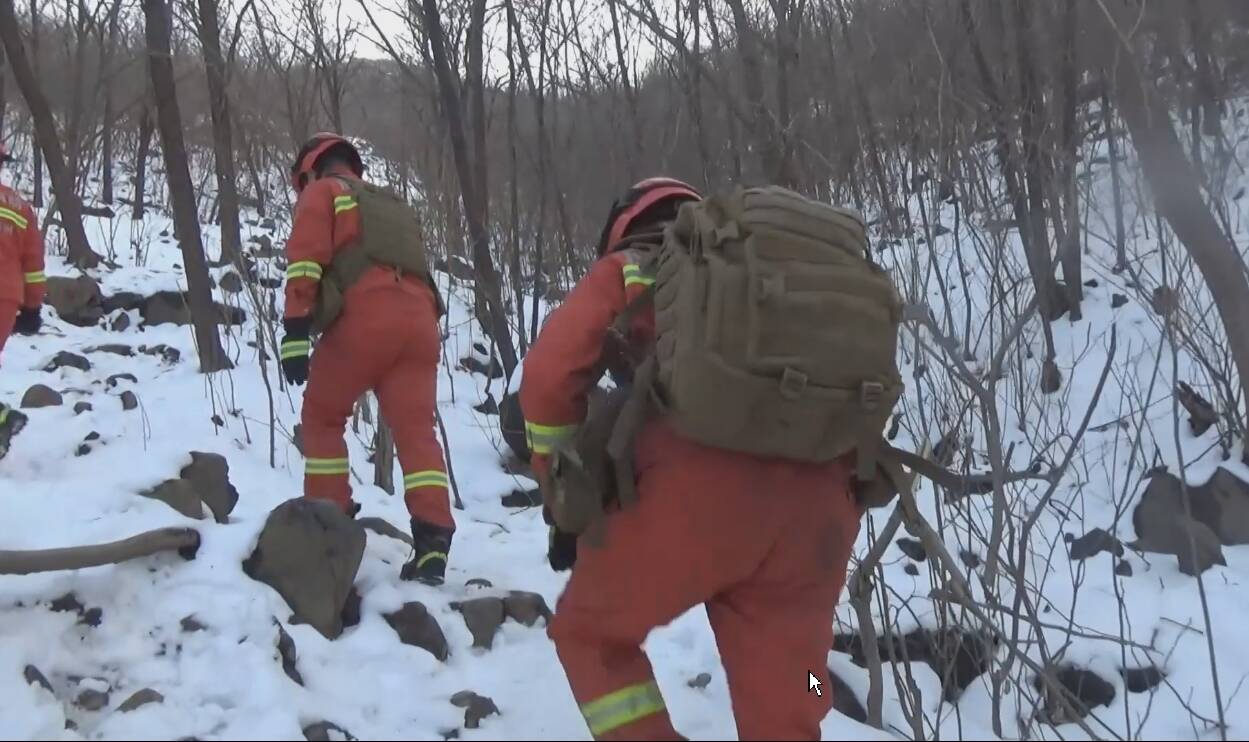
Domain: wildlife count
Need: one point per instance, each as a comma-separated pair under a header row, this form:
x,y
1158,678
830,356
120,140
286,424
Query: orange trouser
x,y
385,340
763,543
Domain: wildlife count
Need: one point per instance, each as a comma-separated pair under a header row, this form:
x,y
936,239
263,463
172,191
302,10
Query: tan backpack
x,y
390,235
774,334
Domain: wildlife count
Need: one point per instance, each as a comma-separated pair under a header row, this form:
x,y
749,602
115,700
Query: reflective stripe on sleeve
x,y
542,438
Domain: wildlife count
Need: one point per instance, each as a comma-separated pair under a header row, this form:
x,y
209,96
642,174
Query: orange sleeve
x,y
565,362
34,281
310,247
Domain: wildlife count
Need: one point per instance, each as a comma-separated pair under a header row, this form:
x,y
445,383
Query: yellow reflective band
x,y
430,478
542,438
431,555
304,269
633,276
4,414
296,348
622,707
14,217
320,467
36,277
345,203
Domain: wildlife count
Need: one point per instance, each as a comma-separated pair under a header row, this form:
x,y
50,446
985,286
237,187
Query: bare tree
x,y
471,165
204,312
49,140
223,137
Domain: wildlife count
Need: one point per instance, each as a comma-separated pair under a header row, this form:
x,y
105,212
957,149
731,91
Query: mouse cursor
x,y
813,684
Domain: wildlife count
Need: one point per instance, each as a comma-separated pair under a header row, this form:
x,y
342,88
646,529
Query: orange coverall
x,y
385,340
764,543
22,282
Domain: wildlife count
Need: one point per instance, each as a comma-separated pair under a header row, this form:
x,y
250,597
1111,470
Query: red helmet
x,y
636,201
314,149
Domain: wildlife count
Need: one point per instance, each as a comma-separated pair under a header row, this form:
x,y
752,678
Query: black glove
x,y
562,550
295,350
28,321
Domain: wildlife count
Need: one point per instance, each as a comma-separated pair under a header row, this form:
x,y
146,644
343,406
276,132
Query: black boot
x,y
11,423
429,561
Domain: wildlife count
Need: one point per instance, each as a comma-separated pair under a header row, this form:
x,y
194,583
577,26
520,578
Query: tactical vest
x,y
391,236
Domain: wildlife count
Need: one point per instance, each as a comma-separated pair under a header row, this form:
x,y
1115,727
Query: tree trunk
x,y
1112,151
767,161
110,110
181,190
67,201
223,144
474,194
1176,189
518,278
1072,261
140,161
36,149
384,455
867,123
629,94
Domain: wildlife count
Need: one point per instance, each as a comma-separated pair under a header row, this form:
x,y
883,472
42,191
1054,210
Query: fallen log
x,y
185,541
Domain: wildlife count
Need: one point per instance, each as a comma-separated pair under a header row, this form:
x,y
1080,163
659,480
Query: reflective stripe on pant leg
x,y
325,467
430,478
625,706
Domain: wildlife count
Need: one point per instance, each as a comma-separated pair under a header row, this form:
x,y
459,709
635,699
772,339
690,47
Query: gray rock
x,y
191,624
526,608
1095,542
117,349
1117,300
1163,525
483,616
173,307
913,549
1082,690
78,301
128,400
1123,568
122,301
210,474
180,495
699,681
120,323
1142,679
845,702
1231,496
231,283
385,528
325,731
40,395
288,654
64,359
81,407
1051,377
309,552
479,582
168,355
91,700
114,379
476,707
34,677
512,425
139,699
416,627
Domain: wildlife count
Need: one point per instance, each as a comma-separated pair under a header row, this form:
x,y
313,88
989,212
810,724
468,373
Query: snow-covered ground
x,y
225,680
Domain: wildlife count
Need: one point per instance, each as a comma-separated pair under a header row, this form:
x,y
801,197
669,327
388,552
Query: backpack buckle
x,y
871,394
793,384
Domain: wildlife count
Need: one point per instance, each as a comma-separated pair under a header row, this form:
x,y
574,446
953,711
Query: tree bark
x,y
67,201
110,112
223,137
37,151
181,189
1116,186
767,160
1176,189
473,193
1072,260
140,161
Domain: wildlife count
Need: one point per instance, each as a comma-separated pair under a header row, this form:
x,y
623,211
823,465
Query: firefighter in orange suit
x,y
763,543
386,340
22,284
